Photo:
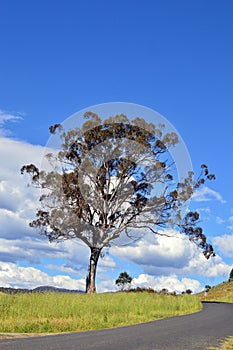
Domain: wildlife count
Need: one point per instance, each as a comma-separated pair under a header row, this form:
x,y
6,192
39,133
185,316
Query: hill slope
x,y
220,292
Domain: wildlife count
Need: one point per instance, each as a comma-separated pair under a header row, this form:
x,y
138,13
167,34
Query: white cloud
x,y
107,263
29,249
171,283
158,251
106,285
225,245
206,194
6,117
77,259
158,255
15,194
14,154
19,243
214,267
15,276
18,204
67,268
13,225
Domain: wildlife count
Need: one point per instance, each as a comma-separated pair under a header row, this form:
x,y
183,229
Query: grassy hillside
x,y
221,292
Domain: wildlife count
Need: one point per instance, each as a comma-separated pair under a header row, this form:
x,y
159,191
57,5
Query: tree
x,y
207,288
231,276
188,291
113,179
123,280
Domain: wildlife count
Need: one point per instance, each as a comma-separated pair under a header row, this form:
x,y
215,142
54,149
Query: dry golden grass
x,y
22,335
226,345
221,292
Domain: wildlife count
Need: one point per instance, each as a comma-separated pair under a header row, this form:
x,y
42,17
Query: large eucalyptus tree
x,y
114,178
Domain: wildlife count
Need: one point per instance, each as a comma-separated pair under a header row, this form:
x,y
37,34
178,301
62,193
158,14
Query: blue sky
x,y
58,57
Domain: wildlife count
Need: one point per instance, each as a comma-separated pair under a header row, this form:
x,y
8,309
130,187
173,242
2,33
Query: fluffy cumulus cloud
x,y
206,194
157,251
225,245
162,255
15,276
19,244
171,283
18,203
173,258
15,195
29,249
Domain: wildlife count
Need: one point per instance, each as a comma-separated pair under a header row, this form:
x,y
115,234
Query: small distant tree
x,y
188,291
231,276
207,288
124,280
164,291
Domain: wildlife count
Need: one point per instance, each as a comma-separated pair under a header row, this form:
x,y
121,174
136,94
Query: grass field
x,y
55,312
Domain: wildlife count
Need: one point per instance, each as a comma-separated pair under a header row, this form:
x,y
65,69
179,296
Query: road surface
x,y
196,331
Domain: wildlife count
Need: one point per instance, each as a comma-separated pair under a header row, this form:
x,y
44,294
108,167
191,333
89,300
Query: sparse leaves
x,y
53,128
32,170
111,177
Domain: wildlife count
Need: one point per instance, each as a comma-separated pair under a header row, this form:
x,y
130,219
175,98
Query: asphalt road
x,y
197,331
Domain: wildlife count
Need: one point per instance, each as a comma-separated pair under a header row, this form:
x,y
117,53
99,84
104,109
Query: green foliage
x,y
231,275
188,291
207,288
124,280
53,312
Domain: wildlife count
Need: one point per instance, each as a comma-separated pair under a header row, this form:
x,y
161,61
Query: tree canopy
x,y
114,178
124,280
231,275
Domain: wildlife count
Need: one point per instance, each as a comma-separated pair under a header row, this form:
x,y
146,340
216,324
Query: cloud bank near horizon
x,y
170,258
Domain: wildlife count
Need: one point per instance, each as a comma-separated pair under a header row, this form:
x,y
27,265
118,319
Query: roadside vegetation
x,y
64,312
226,345
222,292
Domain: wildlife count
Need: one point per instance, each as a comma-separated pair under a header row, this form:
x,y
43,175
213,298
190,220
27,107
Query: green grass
x,y
55,312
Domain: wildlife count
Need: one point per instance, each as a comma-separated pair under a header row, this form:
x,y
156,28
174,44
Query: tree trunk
x,y
90,280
